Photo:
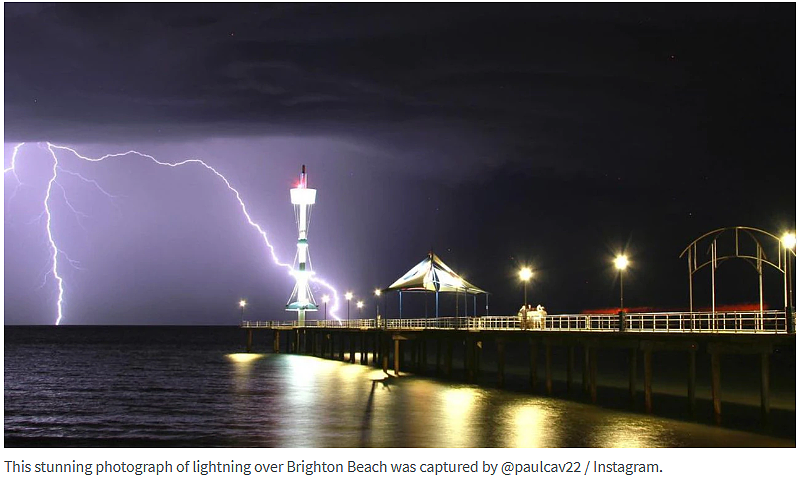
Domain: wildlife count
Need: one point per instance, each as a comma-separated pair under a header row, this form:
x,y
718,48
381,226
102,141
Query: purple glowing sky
x,y
499,135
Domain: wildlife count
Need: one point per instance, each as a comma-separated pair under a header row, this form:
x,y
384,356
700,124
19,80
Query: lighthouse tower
x,y
301,300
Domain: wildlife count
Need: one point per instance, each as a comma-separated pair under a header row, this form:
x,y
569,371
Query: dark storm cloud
x,y
557,83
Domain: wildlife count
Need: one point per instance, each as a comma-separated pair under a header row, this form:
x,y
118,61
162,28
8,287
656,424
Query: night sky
x,y
498,135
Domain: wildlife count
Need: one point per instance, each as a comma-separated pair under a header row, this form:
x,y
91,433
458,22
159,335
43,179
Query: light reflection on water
x,y
159,394
324,403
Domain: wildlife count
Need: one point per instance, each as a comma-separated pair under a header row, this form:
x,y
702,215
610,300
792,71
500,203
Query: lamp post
x,y
349,295
377,293
789,242
325,299
621,262
242,304
525,274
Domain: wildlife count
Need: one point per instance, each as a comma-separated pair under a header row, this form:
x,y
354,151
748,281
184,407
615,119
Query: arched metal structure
x,y
758,260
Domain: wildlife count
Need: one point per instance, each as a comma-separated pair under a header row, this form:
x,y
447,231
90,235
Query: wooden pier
x,y
396,344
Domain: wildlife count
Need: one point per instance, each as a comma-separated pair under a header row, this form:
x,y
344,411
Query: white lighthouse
x,y
301,300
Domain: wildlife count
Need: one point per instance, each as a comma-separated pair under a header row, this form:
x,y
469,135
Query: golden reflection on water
x,y
300,401
531,425
624,432
460,410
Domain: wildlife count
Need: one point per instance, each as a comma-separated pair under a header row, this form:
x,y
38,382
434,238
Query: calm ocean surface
x,y
191,387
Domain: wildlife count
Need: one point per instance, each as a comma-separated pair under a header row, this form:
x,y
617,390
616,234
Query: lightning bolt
x,y
13,170
55,251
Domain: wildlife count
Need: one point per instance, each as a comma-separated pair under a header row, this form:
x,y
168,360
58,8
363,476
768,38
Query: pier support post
x,y
477,359
249,340
449,356
716,394
470,358
585,371
765,388
632,366
501,361
691,383
352,338
593,375
363,354
414,355
384,353
422,365
648,365
548,378
276,342
396,355
532,365
570,363
437,356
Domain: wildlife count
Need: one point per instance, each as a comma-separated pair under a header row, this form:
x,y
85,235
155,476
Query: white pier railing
x,y
770,321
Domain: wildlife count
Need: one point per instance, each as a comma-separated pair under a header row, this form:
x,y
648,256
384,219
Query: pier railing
x,y
770,321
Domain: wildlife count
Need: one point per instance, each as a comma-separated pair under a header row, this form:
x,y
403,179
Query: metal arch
x,y
757,261
747,258
729,228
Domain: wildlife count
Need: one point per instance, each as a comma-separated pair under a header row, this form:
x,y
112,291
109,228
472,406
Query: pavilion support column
x,y
716,393
765,388
396,355
593,375
691,383
647,358
548,377
532,365
501,361
570,363
632,366
249,340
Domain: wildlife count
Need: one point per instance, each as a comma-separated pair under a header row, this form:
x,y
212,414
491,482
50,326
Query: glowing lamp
x,y
621,262
525,274
788,240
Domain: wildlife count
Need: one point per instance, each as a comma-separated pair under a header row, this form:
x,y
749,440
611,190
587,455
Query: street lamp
x,y
525,274
349,295
325,299
621,262
788,240
377,293
242,304
359,308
